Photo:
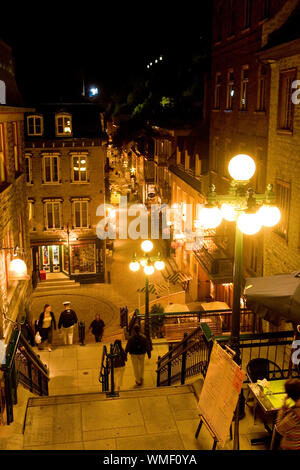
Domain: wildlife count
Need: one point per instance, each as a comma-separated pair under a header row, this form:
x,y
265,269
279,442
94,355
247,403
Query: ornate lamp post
x,y
149,263
250,211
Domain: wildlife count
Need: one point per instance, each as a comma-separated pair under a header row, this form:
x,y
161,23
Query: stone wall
x,y
281,256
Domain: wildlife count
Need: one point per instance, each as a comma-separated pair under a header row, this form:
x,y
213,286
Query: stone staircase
x,y
141,419
55,285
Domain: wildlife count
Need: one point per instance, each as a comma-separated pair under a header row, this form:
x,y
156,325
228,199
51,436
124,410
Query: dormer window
x,y
63,124
35,125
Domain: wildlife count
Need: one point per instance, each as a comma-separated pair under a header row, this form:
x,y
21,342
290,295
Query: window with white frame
x,y
53,212
244,88
30,203
35,125
28,168
261,88
80,213
79,168
63,124
51,170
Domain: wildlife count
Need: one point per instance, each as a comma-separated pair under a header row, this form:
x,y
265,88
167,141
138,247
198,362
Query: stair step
x,y
58,287
57,281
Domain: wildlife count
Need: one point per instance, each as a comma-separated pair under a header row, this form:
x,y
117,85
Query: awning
x,y
155,289
151,289
179,277
275,298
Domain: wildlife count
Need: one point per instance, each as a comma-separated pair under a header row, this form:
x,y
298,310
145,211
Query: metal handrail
x,y
106,369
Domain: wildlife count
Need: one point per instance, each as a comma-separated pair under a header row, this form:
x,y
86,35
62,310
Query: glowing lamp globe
x,y
134,266
149,269
228,212
147,246
159,265
241,167
17,270
249,224
210,217
269,215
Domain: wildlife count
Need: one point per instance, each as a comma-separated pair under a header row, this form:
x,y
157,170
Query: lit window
x,y
247,13
63,124
17,151
79,168
34,125
51,169
53,215
80,213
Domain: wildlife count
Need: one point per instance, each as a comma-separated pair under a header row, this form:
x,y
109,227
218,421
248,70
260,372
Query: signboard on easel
x,y
220,393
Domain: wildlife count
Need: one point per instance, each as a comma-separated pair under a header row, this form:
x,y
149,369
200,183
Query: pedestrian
x,y
67,320
137,346
45,326
119,363
97,327
288,418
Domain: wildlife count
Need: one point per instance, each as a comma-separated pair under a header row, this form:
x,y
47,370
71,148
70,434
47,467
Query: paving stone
x,y
163,441
157,414
103,444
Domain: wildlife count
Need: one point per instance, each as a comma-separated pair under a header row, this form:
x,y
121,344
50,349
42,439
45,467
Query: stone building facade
x,y
282,53
14,228
241,108
65,159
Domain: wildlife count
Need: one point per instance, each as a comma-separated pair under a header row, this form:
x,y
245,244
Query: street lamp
x,y
240,205
149,264
250,211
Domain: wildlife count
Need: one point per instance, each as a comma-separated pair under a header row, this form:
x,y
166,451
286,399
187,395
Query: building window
x,y
244,88
80,214
215,154
230,89
261,88
285,104
52,215
63,124
79,168
50,169
21,232
247,14
30,209
218,85
232,13
2,92
7,242
219,24
28,168
35,125
283,194
265,9
2,154
16,147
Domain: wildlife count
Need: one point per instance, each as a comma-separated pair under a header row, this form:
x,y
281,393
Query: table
x,y
270,401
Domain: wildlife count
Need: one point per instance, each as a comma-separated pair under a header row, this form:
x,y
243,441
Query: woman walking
x,y
45,325
119,363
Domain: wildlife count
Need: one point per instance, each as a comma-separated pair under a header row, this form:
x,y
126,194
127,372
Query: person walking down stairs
x,y
137,346
45,326
67,320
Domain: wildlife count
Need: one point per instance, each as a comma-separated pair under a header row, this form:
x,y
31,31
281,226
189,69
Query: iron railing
x,y
219,321
107,370
22,366
186,359
191,356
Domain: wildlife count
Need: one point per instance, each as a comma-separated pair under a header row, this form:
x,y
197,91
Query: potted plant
x,y
157,321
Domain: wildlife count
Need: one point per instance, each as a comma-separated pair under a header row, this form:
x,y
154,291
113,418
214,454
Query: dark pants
x,y
98,335
46,335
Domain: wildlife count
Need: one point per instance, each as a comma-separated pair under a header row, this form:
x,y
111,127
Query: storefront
x,y
82,260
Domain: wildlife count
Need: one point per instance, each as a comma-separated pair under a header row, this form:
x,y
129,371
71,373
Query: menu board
x,y
220,392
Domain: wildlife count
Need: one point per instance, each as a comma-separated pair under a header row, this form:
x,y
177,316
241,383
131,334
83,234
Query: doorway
x,y
51,256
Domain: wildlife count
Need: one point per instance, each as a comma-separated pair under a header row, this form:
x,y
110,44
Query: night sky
x,y
53,49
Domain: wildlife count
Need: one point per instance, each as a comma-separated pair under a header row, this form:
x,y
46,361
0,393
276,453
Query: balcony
x,y
215,261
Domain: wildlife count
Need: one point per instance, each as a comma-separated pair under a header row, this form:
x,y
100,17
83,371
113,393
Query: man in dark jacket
x,y
67,320
137,346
